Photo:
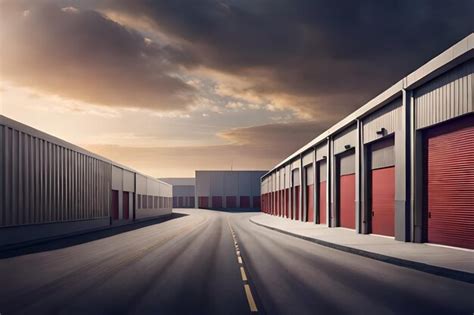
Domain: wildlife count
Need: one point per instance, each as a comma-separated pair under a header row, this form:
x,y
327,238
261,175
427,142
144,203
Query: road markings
x,y
242,273
248,291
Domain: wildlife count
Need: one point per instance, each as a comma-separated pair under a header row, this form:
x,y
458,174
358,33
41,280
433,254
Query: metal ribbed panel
x,y
44,182
446,97
321,152
389,117
347,163
382,153
308,158
347,137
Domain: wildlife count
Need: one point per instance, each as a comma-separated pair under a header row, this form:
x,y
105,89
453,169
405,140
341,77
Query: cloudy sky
x,y
168,87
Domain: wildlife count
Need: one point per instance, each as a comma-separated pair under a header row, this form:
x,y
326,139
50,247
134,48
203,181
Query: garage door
x,y
450,180
231,202
114,211
383,187
347,190
126,205
244,201
216,202
296,193
322,192
309,194
203,202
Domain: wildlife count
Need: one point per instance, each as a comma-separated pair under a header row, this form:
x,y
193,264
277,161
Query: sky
x,y
168,87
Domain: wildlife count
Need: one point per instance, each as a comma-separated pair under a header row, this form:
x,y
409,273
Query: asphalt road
x,y
190,265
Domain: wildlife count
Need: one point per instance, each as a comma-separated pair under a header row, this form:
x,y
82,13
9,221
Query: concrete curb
x,y
435,270
137,222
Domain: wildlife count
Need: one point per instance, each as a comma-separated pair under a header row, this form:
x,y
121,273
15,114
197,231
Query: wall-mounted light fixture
x,y
324,157
381,132
347,146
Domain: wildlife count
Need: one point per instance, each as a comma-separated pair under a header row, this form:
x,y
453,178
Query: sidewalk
x,y
443,261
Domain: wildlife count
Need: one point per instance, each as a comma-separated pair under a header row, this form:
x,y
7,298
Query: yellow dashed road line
x,y
248,291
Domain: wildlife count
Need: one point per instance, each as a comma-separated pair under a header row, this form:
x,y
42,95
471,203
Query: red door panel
x,y
383,201
450,180
297,202
287,202
244,201
231,202
126,206
347,201
203,202
114,211
216,201
322,202
310,203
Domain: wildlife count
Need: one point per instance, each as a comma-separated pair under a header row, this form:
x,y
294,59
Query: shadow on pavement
x,y
77,239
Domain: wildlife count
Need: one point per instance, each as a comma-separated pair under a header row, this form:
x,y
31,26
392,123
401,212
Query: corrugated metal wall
x,y
44,182
389,117
445,97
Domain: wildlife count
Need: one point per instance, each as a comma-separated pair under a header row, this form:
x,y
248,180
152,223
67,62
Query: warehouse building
x,y
401,166
183,191
49,187
228,189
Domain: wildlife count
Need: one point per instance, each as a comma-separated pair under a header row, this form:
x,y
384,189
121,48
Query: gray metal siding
x,y
446,97
322,171
382,155
347,164
41,182
309,175
347,137
321,152
308,158
388,117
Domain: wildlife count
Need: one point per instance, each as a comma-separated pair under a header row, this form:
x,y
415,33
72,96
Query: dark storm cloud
x,y
80,54
340,52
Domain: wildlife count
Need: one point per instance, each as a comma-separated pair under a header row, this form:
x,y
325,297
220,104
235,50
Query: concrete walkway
x,y
444,261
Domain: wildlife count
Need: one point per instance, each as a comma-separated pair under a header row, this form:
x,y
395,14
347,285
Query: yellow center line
x,y
243,274
248,292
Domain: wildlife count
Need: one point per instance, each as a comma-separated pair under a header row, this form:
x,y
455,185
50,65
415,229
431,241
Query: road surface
x,y
211,262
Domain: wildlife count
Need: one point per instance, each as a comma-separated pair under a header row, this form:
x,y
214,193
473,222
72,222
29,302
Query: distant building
x,y
183,191
228,189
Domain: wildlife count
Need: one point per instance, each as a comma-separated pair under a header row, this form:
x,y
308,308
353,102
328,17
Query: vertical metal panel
x,y
347,163
382,153
321,151
445,97
388,117
347,137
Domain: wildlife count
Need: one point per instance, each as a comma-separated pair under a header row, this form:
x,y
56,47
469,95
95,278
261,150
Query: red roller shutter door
x,y
450,181
347,201
126,205
114,211
203,202
297,202
383,201
309,194
287,200
231,202
322,202
244,201
310,203
347,191
383,187
216,202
